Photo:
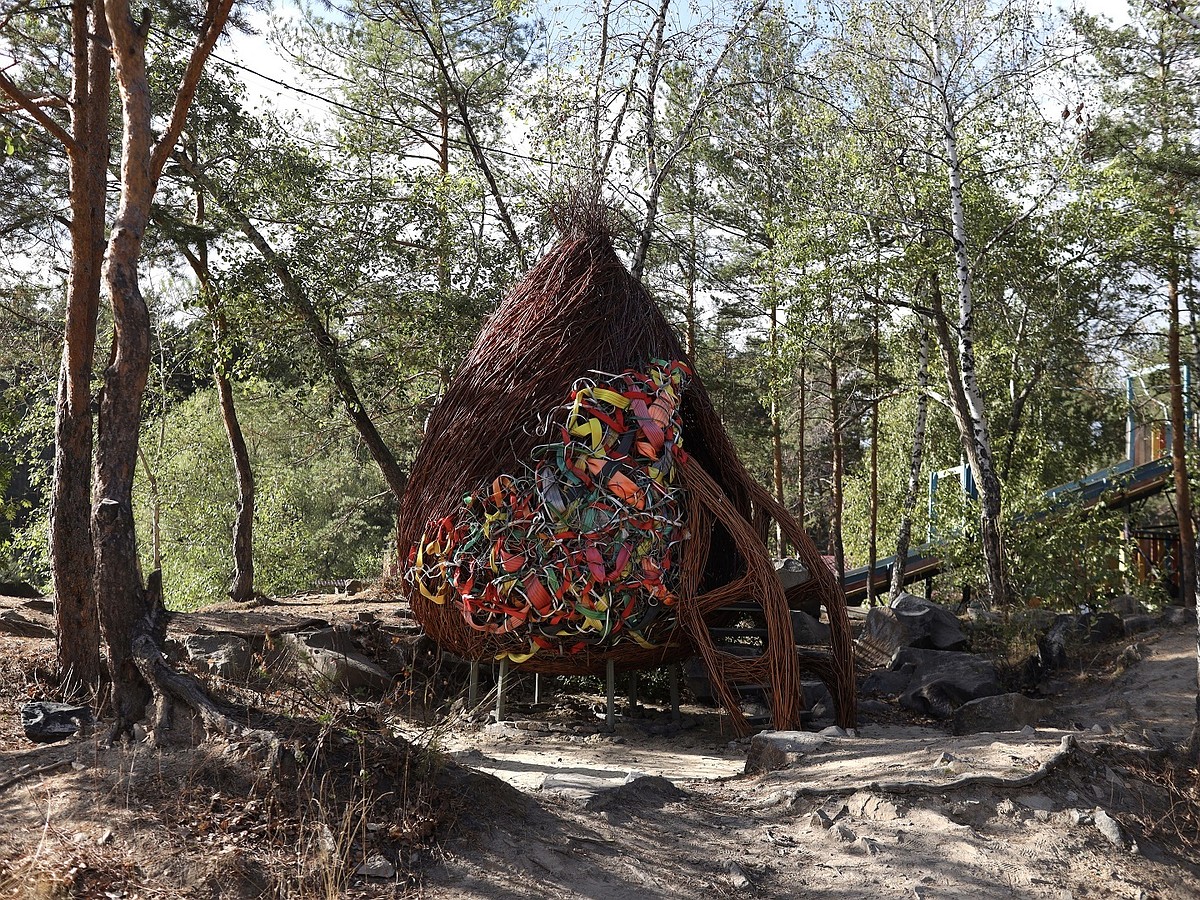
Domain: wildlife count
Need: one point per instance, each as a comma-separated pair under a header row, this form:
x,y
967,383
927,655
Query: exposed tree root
x,y
1066,749
57,766
175,689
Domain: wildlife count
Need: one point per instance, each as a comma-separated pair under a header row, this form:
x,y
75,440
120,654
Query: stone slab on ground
x,y
227,656
998,713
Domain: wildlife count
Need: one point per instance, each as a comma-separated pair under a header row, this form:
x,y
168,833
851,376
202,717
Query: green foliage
x,y
321,511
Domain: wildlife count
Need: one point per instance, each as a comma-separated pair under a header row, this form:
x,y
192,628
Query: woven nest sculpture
x,y
577,500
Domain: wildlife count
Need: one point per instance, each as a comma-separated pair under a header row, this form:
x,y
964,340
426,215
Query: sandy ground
x,y
548,805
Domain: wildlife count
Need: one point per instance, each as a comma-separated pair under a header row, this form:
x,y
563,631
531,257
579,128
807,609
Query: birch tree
x,y
955,65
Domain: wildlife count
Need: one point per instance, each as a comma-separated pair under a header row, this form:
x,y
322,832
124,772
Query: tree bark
x,y
801,439
1183,500
970,411
835,424
658,167
72,560
873,536
904,537
120,591
241,584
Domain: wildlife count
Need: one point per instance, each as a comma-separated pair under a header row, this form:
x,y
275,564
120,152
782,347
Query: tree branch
x,y
215,15
33,108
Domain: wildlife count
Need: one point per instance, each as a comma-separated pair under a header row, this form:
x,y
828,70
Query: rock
x,y
1125,605
816,692
1108,827
12,622
790,572
21,589
1079,817
224,655
771,750
841,833
868,846
1176,616
46,722
833,731
809,630
941,626
328,655
1139,623
376,866
1052,646
870,806
1000,712
820,819
330,638
980,616
1038,802
871,707
913,622
969,812
738,879
941,681
1103,627
884,681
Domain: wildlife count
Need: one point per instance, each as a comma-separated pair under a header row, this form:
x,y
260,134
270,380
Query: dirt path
x,y
550,806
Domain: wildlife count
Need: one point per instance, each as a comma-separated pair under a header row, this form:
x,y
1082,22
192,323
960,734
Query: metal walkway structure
x,y
1112,488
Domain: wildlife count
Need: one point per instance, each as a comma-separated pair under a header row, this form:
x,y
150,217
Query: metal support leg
x,y
501,687
674,674
473,685
610,720
537,688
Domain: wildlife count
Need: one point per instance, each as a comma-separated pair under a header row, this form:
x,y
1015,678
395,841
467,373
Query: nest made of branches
x,y
579,311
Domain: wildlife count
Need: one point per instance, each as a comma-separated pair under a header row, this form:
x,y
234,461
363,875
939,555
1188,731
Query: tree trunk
x,y
120,590
801,438
241,585
835,413
121,595
873,536
72,560
1183,501
970,412
327,349
993,547
904,537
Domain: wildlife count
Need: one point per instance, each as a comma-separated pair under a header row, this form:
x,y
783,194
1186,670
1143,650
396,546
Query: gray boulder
x,y
1178,615
46,722
224,655
790,572
1001,712
809,630
321,655
885,681
940,681
913,622
1139,623
1125,605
